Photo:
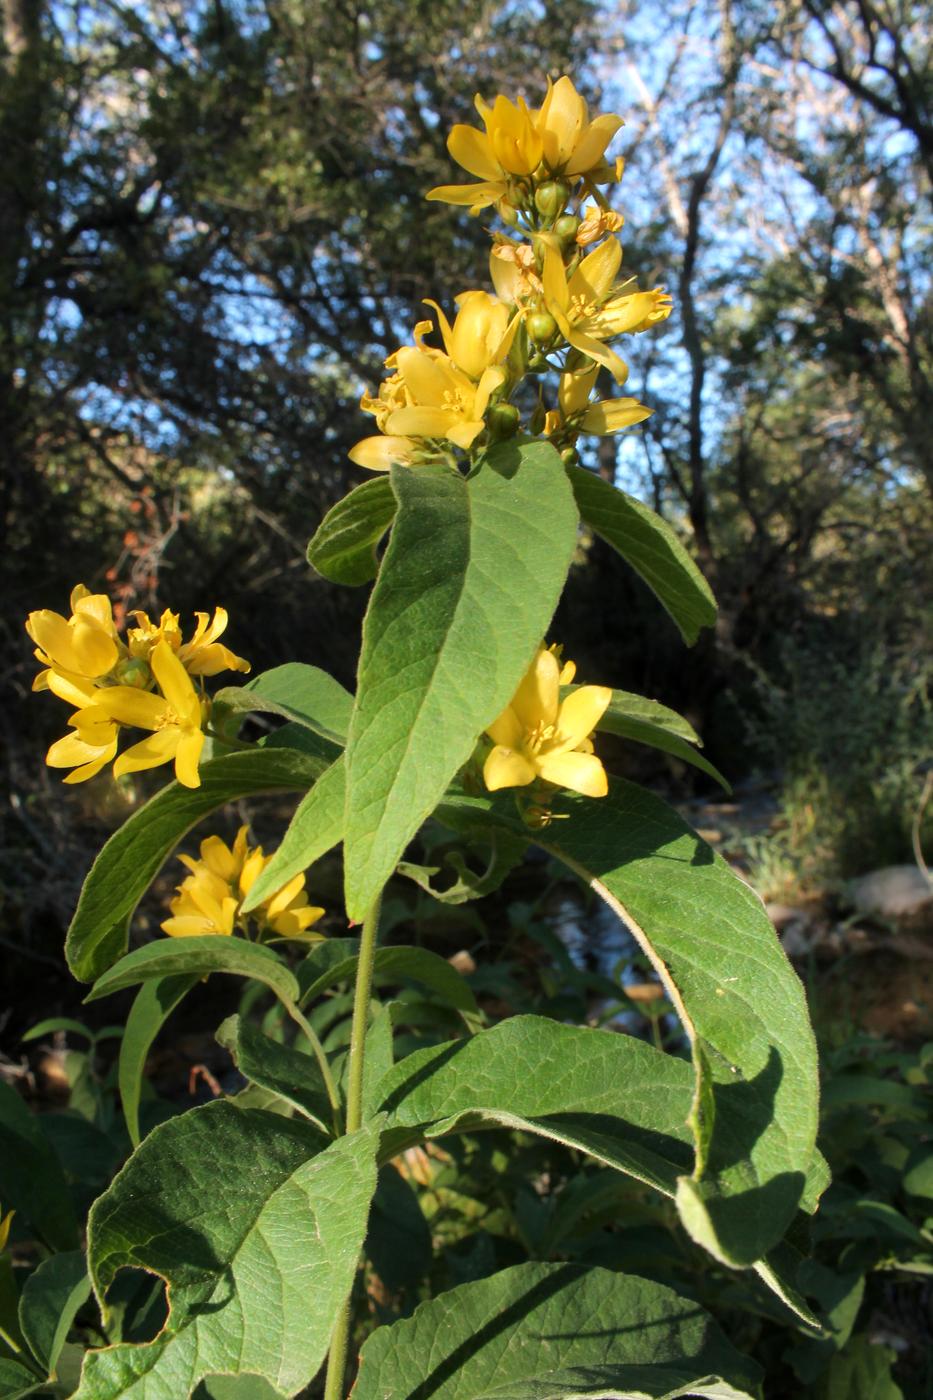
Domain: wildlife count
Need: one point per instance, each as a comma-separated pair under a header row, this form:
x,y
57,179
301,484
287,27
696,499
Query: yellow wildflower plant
x,y
174,717
558,140
209,899
538,737
590,309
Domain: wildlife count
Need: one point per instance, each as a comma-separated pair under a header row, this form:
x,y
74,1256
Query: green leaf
x,y
16,1380
51,1297
155,1002
390,965
33,1182
343,548
256,1231
717,954
610,1095
296,1078
649,544
398,1242
316,828
132,857
861,1372
177,957
466,590
58,1023
555,1332
647,722
297,692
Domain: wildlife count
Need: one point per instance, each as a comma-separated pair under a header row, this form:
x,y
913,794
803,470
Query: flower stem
x,y
337,1358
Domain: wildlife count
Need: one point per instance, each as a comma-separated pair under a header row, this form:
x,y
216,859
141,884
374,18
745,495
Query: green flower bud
x,y
566,227
542,328
536,425
502,420
570,457
551,197
133,672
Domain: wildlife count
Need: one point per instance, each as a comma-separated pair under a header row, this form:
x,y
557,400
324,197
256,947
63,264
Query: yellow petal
x,y
157,749
596,274
218,857
574,390
630,314
507,768
253,866
72,689
187,755
560,121
580,713
72,750
491,380
424,422
537,698
378,454
592,145
556,291
581,772
128,706
476,196
614,416
281,900
190,926
506,730
470,148
596,350
175,684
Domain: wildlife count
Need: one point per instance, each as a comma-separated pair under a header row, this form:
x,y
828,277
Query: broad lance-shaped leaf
x,y
555,1332
316,827
181,957
343,548
649,544
613,1096
468,585
155,1002
737,995
256,1226
303,694
131,859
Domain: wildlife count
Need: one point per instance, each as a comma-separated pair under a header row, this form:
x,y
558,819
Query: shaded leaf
x,y
555,1332
33,1183
279,1068
390,965
315,828
303,694
170,957
52,1295
155,1001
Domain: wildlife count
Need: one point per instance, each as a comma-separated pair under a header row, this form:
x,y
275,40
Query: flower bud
x,y
542,328
133,672
570,457
536,424
551,197
507,213
566,227
502,420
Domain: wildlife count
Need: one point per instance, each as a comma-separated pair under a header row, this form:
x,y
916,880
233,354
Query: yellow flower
x,y
202,656
517,141
573,145
209,898
431,395
596,224
482,332
590,310
174,717
602,418
513,270
538,737
83,645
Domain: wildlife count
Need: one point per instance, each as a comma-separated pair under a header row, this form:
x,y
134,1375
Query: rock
x,y
892,892
794,927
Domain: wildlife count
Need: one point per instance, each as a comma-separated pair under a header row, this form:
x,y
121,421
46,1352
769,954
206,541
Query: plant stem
x,y
337,1357
317,1050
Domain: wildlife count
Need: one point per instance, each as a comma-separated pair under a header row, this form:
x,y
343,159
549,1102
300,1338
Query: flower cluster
x,y
210,898
143,680
558,298
541,739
